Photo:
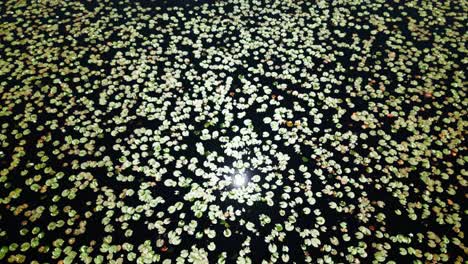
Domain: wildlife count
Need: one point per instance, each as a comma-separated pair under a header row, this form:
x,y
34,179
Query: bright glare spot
x,y
239,180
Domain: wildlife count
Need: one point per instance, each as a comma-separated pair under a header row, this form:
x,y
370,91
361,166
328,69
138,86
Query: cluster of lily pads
x,y
232,131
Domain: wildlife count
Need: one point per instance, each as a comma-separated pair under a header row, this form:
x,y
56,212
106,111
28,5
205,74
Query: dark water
x,y
21,92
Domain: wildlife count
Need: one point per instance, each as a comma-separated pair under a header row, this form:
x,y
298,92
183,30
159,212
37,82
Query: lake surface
x,y
232,131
